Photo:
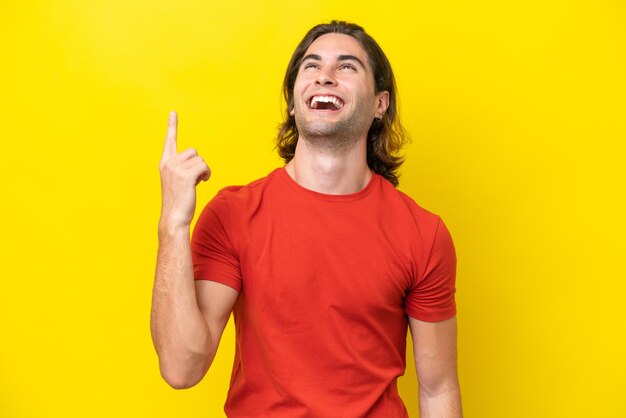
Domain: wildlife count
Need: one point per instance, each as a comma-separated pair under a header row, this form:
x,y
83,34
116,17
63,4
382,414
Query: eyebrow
x,y
339,58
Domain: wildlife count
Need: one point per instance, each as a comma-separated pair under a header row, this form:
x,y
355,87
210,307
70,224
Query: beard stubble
x,y
333,136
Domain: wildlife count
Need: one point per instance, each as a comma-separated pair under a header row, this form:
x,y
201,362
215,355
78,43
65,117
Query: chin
x,y
321,129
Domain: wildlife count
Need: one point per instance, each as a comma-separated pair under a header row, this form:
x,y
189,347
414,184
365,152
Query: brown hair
x,y
386,137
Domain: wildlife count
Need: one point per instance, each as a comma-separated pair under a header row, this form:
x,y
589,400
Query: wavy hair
x,y
386,137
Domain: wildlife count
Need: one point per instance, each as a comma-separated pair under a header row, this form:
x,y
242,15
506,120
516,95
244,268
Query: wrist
x,y
170,228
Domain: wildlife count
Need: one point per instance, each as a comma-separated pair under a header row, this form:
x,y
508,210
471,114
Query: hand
x,y
180,174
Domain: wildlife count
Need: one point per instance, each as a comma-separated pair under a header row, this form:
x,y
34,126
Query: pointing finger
x,y
169,150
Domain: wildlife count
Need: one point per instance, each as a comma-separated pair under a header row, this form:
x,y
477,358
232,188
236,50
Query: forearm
x,y
179,331
445,403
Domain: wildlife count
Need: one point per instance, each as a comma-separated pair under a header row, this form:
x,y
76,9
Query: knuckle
x,y
170,165
179,170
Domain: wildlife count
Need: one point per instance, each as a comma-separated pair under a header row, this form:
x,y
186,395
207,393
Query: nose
x,y
326,77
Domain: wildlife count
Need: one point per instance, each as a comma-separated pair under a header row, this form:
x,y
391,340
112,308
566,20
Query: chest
x,y
326,259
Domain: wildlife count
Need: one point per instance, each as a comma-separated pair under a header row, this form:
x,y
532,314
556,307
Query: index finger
x,y
169,149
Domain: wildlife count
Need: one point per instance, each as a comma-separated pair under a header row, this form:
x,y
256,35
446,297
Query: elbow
x,y
184,367
180,383
178,380
184,374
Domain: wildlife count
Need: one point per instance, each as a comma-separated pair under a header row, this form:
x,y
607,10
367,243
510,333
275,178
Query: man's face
x,y
334,91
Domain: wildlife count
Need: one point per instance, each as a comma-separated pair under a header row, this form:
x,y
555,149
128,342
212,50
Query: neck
x,y
328,171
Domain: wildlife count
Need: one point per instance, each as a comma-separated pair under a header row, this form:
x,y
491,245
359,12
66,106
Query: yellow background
x,y
517,113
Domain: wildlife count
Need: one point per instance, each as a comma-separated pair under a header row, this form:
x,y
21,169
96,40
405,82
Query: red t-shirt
x,y
326,283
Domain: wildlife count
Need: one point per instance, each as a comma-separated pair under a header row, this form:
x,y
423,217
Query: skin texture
x,y
331,153
434,349
346,76
188,318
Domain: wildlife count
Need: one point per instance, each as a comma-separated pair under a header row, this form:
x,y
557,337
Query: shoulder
x,y
231,197
417,210
223,215
402,203
425,229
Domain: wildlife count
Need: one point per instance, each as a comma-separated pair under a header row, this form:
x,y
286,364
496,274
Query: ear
x,y
292,112
382,104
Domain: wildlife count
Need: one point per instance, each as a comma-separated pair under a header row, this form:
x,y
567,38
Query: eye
x,y
347,65
310,65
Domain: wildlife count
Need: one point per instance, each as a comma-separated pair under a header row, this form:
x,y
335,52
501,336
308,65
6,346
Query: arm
x,y
434,348
187,319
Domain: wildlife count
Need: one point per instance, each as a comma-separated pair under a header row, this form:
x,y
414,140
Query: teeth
x,y
326,99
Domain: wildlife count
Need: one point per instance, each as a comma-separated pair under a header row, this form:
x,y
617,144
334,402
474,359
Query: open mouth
x,y
325,103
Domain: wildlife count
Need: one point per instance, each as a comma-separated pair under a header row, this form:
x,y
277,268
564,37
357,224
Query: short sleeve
x,y
432,297
212,250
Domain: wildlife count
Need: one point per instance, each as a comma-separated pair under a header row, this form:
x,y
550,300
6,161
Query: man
x,y
323,262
